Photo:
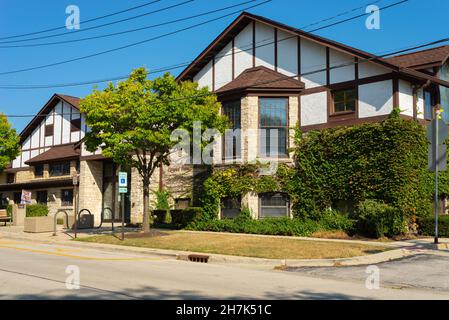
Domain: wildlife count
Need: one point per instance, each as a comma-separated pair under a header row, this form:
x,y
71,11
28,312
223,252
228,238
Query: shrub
x,y
268,226
162,197
160,216
426,226
334,220
36,210
377,219
182,218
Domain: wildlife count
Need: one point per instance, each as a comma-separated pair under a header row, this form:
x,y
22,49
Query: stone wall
x,y
91,187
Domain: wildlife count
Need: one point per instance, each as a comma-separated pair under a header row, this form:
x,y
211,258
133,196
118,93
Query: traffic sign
x,y
123,190
442,131
442,162
123,179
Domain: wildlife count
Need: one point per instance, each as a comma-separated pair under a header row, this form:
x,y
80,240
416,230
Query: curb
x,y
225,259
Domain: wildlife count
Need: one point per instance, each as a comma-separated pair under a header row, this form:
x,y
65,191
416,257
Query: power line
x,y
125,76
342,65
131,44
130,30
95,27
86,21
340,14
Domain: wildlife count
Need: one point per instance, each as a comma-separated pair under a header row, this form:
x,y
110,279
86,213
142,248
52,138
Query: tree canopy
x,y
9,142
133,121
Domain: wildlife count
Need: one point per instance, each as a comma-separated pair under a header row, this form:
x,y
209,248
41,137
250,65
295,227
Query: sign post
x,y
75,181
123,188
25,199
437,133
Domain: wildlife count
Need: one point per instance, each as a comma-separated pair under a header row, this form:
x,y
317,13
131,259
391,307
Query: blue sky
x,y
414,22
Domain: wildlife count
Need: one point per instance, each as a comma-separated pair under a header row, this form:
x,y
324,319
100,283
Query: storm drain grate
x,y
198,258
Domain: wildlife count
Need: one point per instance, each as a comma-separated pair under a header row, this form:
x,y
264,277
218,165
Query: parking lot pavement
x,y
423,271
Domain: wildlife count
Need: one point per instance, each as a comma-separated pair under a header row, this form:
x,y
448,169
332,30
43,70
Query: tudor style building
x,y
267,76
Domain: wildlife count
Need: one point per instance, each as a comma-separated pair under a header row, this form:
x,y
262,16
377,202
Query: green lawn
x,y
238,245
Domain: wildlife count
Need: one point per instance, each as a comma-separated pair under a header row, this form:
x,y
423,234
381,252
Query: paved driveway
x,y
424,271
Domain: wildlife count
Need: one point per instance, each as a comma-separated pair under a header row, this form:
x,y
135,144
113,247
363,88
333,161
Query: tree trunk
x,y
146,201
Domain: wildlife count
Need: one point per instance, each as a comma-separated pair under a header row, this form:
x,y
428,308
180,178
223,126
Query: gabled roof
x,y
422,59
51,103
262,78
56,153
245,18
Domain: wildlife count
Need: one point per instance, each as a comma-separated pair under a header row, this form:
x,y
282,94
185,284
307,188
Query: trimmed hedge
x,y
427,226
162,216
182,218
276,226
36,210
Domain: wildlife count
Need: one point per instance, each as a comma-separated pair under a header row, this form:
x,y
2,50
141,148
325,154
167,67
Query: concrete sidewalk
x,y
400,249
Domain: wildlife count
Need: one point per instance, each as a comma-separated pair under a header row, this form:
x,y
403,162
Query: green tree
x,y
133,121
9,142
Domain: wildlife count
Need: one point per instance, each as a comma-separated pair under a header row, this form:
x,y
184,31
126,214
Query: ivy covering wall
x,y
386,161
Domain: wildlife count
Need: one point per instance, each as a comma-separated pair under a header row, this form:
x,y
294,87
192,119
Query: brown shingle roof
x,y
61,152
434,56
74,101
262,78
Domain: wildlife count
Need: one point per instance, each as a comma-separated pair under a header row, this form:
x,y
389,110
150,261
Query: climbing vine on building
x,y
238,180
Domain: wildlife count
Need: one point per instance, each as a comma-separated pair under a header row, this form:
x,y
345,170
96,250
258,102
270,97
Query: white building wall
x,y
341,74
420,104
223,66
313,109
60,116
287,53
204,77
264,46
243,55
376,99
370,69
313,57
405,98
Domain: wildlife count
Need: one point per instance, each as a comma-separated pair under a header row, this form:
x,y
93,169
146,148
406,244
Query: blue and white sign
x,y
123,179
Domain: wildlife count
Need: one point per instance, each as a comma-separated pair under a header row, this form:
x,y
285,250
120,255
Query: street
x,y
38,271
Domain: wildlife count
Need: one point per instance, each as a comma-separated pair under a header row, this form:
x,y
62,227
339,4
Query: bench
x,y
4,216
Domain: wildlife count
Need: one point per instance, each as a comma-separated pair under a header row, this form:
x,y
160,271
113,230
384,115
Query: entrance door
x,y
111,202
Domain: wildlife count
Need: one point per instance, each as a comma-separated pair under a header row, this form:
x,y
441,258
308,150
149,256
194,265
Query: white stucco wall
x,y
243,55
264,46
59,116
313,57
341,74
370,69
204,77
405,98
376,99
287,53
313,109
223,66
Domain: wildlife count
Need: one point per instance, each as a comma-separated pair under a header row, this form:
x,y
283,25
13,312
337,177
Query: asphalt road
x,y
428,272
38,271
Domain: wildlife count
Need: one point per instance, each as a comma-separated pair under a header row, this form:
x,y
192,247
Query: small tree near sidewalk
x,y
9,143
132,122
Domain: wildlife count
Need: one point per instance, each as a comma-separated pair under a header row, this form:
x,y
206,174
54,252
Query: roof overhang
x,y
245,18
